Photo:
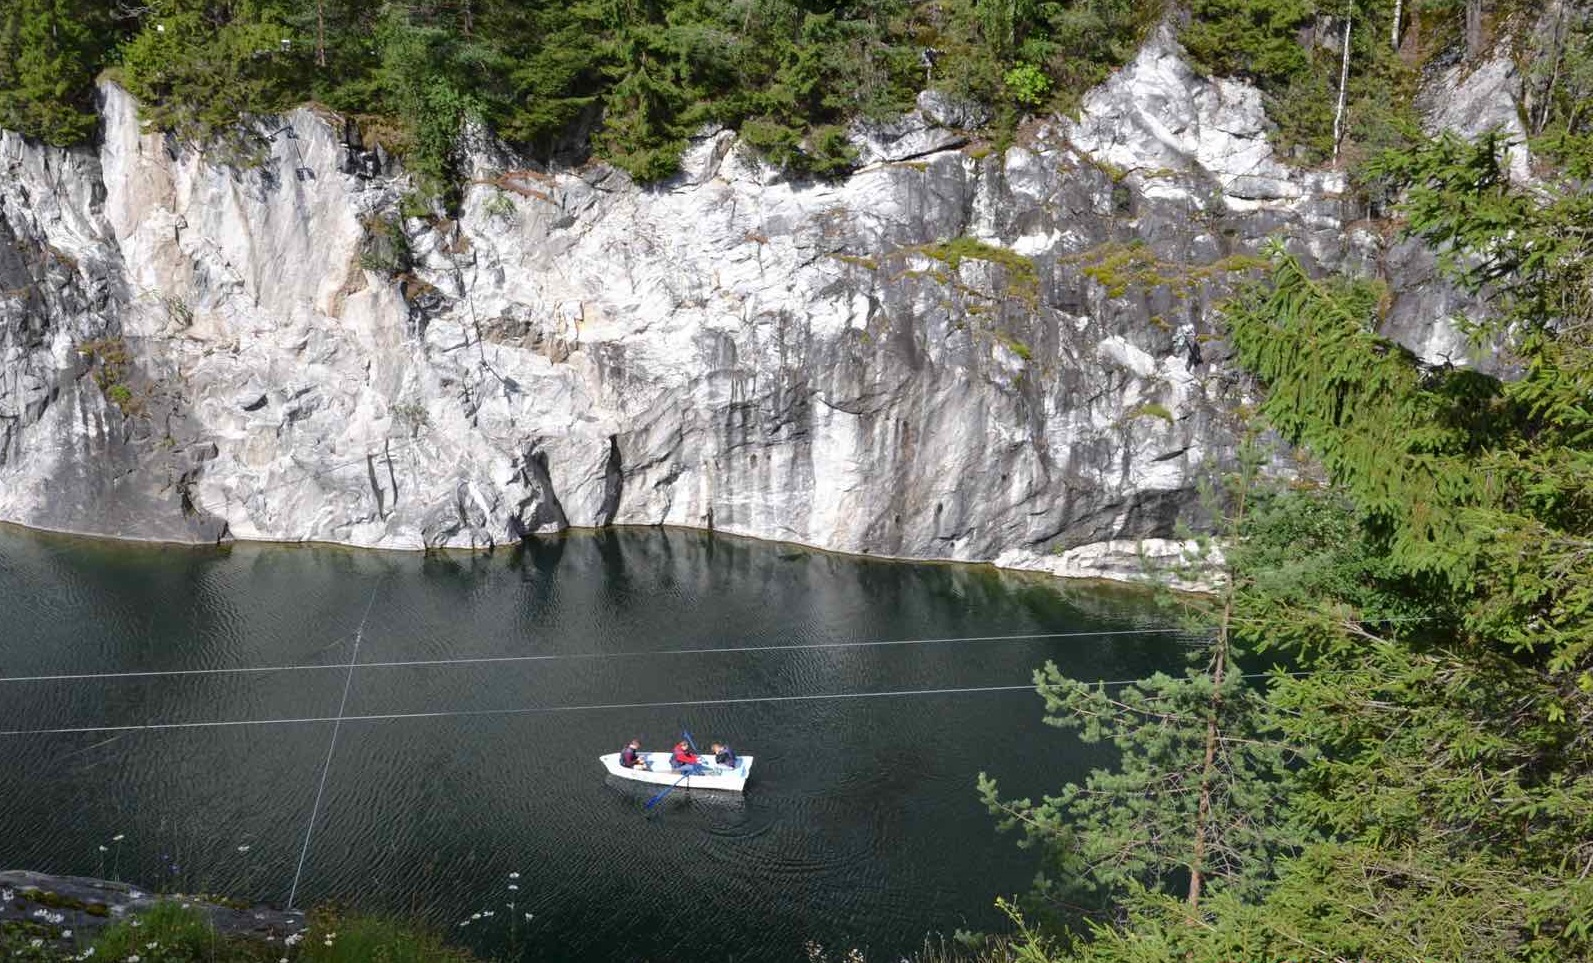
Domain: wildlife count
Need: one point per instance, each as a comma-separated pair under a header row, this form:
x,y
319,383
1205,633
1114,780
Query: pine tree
x,y
1199,762
48,58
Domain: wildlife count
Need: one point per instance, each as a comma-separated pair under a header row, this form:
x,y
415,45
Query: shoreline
x,y
1037,569
85,905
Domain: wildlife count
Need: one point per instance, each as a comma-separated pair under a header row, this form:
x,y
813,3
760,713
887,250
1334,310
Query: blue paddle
x,y
667,790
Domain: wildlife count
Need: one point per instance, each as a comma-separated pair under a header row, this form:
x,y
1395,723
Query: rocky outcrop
x,y
68,912
955,353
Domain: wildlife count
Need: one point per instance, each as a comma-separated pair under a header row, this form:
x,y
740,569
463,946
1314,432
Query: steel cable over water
x,y
331,745
590,707
634,653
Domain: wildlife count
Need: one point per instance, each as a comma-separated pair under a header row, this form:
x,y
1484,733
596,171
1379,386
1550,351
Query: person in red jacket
x,y
684,760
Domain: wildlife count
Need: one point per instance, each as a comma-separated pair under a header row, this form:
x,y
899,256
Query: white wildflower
x,y
529,915
243,849
514,875
6,896
105,849
118,837
133,958
292,940
35,942
512,886
55,919
475,916
66,934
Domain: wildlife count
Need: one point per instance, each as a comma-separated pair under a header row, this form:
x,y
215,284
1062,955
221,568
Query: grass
x,y
1121,268
368,939
1022,278
172,933
169,933
1149,410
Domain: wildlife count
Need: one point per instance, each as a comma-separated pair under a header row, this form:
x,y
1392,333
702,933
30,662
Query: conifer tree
x,y
1184,811
48,59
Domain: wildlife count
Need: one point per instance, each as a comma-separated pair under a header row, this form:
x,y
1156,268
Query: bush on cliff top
x,y
634,79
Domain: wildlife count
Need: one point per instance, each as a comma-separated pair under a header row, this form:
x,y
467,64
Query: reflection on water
x,y
860,826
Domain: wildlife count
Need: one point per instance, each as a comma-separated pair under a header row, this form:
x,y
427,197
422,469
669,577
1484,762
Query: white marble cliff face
x,y
810,362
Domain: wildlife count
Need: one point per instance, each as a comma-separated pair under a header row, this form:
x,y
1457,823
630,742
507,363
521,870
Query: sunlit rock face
x,y
955,353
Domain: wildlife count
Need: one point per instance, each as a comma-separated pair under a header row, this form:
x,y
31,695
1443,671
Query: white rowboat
x,y
658,771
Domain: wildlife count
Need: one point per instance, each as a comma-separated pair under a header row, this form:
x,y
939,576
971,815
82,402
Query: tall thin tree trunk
x,y
1399,10
1546,96
1344,90
1473,29
320,33
1208,771
1208,768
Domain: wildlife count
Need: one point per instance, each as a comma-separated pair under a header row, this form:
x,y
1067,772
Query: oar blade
x,y
665,791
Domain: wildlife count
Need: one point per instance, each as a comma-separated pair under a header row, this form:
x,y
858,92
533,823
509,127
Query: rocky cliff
x,y
956,353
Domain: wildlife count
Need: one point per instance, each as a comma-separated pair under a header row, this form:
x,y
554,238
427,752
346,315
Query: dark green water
x,y
860,826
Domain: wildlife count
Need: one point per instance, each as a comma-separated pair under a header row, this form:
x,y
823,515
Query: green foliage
x,y
1027,84
49,51
166,933
1560,73
385,246
1150,410
1022,277
1198,761
198,67
1255,39
1261,41
1435,589
634,78
336,939
171,933
1478,484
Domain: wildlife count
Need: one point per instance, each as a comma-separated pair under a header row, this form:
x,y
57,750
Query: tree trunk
x,y
1208,768
1473,29
1399,9
1344,90
320,33
1208,771
1556,56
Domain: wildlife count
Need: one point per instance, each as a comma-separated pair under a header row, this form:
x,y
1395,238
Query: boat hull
x,y
660,773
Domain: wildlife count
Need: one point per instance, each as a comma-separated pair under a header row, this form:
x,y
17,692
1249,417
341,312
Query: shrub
x,y
1027,84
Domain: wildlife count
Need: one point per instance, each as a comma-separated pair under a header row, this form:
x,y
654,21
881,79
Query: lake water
x,y
860,826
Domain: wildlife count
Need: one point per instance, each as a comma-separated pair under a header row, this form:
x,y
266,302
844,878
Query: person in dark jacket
x,y
725,756
631,756
684,760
